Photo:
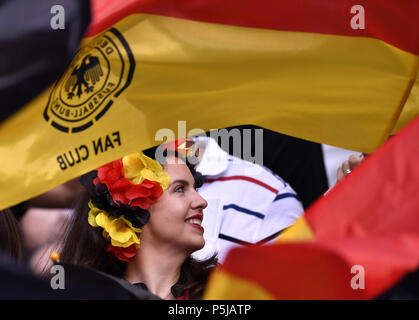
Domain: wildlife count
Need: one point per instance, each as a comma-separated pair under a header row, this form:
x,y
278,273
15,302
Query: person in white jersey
x,y
247,203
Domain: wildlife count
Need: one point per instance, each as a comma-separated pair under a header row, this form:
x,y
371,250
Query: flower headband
x,y
121,193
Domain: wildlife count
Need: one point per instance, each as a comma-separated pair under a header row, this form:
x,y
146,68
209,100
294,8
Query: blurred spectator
x,y
42,226
43,220
349,165
299,162
247,203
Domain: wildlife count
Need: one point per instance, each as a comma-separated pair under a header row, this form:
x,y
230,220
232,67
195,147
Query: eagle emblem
x,y
87,73
85,93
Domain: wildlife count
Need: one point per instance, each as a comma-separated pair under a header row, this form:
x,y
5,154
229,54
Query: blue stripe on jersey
x,y
286,195
244,210
231,239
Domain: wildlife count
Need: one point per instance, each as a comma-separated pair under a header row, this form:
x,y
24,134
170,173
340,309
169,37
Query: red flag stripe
x,y
392,21
285,269
323,269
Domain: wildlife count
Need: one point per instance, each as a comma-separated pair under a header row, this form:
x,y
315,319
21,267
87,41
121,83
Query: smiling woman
x,y
141,221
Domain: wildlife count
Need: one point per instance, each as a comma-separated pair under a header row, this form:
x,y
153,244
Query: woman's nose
x,y
199,201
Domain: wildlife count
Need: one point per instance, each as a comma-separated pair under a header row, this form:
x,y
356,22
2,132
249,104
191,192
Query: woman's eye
x,y
179,188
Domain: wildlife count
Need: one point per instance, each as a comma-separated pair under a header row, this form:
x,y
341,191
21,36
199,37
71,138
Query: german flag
x,y
354,243
335,72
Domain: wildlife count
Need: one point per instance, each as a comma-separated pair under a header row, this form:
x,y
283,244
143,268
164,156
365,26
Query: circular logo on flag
x,y
97,75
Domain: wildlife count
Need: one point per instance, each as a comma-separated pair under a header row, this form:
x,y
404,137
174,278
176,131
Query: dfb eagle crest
x,y
86,74
99,72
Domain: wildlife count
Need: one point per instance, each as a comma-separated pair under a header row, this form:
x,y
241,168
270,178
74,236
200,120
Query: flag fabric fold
x,y
410,109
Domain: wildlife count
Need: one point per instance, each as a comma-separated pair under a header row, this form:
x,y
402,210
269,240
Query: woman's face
x,y
176,217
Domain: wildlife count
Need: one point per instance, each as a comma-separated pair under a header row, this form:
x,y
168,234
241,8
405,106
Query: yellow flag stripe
x,y
339,90
226,286
299,231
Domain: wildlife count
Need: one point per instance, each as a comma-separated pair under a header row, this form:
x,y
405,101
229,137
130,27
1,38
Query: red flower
x,y
121,189
146,195
123,254
110,173
136,195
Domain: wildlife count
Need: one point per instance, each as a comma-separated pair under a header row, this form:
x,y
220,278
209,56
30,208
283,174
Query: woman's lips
x,y
196,226
195,221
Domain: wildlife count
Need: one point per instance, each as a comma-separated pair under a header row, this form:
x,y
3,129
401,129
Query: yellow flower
x,y
93,214
120,230
137,167
121,234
